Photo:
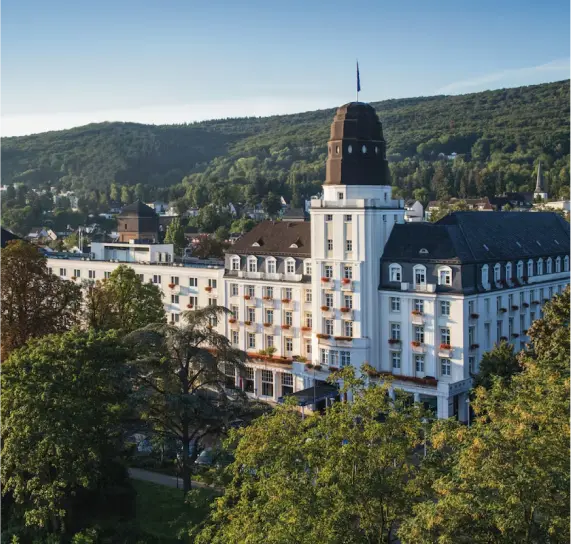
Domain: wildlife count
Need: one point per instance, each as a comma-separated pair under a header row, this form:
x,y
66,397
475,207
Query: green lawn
x,y
162,512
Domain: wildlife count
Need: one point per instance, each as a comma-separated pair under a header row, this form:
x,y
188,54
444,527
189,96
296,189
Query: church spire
x,y
540,185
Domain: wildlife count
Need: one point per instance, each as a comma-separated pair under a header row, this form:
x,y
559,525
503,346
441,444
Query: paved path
x,y
161,479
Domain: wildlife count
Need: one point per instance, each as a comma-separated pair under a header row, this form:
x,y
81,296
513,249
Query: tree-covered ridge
x,y
504,131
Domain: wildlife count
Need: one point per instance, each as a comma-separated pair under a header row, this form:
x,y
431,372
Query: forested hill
x,y
501,136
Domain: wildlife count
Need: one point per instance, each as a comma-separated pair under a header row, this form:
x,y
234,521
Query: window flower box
x,y
474,346
415,344
343,338
286,300
190,306
474,316
172,285
535,302
344,309
503,283
325,308
286,327
394,341
73,278
247,323
445,346
267,298
346,281
525,305
317,367
503,310
515,335
503,338
247,297
208,289
267,324
306,329
416,312
325,280
232,320
323,336
515,307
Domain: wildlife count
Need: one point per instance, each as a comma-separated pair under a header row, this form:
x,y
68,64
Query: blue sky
x,y
68,63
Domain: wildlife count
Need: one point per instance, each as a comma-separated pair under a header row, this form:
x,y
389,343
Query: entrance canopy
x,y
313,395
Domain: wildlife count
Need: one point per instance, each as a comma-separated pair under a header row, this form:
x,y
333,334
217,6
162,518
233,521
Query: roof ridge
x,y
468,244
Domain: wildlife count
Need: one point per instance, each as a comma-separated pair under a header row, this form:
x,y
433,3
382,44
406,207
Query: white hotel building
x,y
356,284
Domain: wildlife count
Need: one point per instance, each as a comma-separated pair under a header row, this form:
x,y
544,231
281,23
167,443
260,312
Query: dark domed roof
x,y
137,209
356,149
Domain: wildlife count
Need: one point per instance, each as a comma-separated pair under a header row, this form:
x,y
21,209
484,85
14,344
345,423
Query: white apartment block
x,y
420,302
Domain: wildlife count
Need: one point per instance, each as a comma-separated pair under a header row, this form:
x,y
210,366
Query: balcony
x,y
346,313
327,311
174,287
268,302
268,276
417,318
346,284
445,350
395,344
287,303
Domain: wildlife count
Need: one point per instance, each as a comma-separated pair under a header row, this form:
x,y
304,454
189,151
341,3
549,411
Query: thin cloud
x,y
557,69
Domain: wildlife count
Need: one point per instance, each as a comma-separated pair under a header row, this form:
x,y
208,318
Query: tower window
x,y
364,149
339,196
337,150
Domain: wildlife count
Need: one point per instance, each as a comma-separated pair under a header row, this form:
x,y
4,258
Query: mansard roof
x,y
467,237
275,238
8,236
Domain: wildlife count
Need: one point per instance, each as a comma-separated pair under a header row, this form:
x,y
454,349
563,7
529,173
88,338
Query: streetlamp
x,y
468,406
424,423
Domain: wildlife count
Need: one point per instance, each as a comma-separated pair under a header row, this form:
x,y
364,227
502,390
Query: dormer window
x,y
485,273
530,268
508,271
558,264
350,149
419,275
423,251
549,266
395,272
364,149
497,272
252,264
520,269
540,267
290,266
445,276
259,242
566,263
235,263
270,265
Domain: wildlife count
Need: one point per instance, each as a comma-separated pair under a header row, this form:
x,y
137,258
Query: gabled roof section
x,y
467,237
276,238
137,209
8,236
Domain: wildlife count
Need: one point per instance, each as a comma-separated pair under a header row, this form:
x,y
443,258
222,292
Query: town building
x,y
413,211
356,285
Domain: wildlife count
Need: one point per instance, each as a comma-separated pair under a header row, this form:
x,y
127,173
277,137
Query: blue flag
x,y
358,78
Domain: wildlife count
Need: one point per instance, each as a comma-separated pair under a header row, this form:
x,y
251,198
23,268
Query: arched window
x,y
419,275
350,149
549,266
485,278
235,263
539,267
508,271
364,149
252,264
558,264
395,272
566,263
445,276
271,265
290,266
530,268
520,269
497,272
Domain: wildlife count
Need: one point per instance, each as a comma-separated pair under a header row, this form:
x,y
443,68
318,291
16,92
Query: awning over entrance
x,y
312,395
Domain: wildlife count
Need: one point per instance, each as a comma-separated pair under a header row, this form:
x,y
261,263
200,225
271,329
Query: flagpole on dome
x,y
358,81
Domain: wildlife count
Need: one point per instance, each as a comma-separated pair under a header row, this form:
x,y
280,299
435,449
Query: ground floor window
x,y
175,318
230,376
287,384
267,383
249,380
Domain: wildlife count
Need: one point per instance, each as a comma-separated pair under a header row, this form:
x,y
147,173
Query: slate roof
x,y
294,214
275,238
137,209
7,236
467,237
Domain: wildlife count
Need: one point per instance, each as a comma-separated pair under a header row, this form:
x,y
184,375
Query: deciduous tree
x,y
123,301
34,301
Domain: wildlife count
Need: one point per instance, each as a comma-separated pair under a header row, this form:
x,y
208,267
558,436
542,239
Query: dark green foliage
x,y
501,362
